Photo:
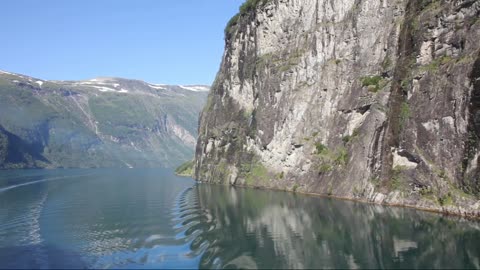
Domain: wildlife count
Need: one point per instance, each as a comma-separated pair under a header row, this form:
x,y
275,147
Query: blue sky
x,y
159,41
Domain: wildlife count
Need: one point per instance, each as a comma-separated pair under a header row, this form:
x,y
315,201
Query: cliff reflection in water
x,y
152,219
265,229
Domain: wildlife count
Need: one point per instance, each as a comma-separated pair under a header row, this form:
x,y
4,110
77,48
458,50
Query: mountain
x,y
371,100
103,122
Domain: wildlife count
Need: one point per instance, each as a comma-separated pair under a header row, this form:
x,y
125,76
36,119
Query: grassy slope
x,y
186,169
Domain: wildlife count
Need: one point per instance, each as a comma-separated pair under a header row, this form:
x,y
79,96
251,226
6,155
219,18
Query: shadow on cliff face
x,y
39,256
18,151
471,182
265,229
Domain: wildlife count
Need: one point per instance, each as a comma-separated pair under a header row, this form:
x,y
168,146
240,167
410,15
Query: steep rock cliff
x,y
373,100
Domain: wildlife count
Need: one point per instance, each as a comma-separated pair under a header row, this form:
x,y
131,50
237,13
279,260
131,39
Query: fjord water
x,y
153,219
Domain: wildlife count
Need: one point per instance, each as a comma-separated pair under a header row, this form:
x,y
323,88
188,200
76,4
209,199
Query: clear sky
x,y
159,41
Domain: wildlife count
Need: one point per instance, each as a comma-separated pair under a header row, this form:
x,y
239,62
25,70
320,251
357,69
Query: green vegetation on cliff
x,y
373,83
186,169
246,7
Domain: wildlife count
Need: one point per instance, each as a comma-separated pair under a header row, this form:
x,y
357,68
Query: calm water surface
x,y
153,219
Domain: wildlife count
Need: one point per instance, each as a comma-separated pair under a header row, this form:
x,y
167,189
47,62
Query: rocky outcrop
x,y
371,100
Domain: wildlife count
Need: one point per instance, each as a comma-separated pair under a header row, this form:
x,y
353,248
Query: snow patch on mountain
x,y
157,86
195,88
103,88
5,72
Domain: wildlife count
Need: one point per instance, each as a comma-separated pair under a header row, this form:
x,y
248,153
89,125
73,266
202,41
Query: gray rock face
x,y
373,100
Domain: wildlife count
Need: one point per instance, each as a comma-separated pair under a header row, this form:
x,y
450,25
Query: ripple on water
x,y
183,248
126,222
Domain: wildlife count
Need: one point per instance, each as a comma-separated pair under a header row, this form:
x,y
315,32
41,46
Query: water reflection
x,y
264,229
92,218
40,257
152,219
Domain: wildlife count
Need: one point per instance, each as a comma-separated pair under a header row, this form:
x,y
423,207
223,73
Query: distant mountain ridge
x,y
102,122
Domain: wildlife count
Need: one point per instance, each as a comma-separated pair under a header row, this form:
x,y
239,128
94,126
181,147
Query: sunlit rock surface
x,y
373,100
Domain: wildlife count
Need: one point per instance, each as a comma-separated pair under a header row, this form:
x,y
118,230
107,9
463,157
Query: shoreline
x,y
468,216
185,175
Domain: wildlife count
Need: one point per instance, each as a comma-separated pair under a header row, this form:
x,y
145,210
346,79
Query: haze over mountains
x,y
102,122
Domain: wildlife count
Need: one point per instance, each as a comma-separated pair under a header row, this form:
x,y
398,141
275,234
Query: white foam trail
x,y
39,181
